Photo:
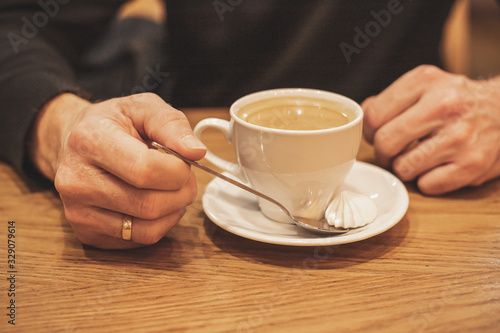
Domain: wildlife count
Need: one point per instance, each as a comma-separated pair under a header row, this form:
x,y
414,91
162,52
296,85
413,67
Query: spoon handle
x,y
221,176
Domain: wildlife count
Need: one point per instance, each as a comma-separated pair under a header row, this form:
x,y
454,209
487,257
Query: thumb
x,y
158,121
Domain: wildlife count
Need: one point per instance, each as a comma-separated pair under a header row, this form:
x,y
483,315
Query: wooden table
x,y
438,270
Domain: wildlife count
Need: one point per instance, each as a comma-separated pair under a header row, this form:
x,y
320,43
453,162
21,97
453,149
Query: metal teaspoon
x,y
316,226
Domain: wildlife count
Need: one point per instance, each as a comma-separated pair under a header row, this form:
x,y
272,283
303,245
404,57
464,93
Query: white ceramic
x,y
350,210
300,169
237,211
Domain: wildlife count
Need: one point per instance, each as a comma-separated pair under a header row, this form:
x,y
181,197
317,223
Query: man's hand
x,y
102,167
439,128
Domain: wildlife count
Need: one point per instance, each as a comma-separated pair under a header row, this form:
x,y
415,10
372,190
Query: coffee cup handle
x,y
226,128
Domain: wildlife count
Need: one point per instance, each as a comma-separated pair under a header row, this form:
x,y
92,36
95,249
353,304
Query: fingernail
x,y
192,142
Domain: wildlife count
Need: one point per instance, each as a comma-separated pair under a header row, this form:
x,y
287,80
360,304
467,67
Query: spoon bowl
x,y
316,226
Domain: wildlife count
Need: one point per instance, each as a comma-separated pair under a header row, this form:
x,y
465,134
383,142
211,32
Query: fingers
x,y
440,168
106,169
147,204
446,178
103,228
132,161
474,167
157,120
430,123
437,149
111,193
423,157
492,173
419,121
95,201
399,96
112,138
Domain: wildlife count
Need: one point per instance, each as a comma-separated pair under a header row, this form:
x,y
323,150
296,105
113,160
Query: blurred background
x,y
471,40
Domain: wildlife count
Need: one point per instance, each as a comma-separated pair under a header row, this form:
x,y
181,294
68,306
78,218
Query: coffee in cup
x,y
299,113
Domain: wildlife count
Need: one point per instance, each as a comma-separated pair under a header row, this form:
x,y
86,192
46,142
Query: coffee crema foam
x,y
297,113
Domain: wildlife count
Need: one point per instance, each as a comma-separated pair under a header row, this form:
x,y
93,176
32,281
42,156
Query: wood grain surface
x,y
437,270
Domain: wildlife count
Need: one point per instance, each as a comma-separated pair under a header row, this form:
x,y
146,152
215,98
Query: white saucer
x,y
237,211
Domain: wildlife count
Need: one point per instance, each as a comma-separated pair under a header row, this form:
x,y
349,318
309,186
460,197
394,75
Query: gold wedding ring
x,y
127,228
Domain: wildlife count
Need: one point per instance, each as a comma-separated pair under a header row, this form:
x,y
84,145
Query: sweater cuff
x,y
21,100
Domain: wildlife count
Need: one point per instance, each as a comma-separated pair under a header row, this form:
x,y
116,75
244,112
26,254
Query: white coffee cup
x,y
302,169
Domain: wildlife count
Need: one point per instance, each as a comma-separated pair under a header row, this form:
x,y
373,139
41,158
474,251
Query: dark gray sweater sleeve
x,y
32,72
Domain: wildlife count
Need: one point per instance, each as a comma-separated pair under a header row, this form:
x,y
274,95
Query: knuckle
x,y
72,217
482,178
429,189
433,187
140,172
145,97
150,95
143,174
191,189
60,182
152,237
181,174
430,72
449,97
371,120
159,229
479,162
82,134
146,100
460,135
85,238
193,194
78,221
383,141
78,133
451,102
64,184
170,120
460,81
150,207
173,116
478,182
404,167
